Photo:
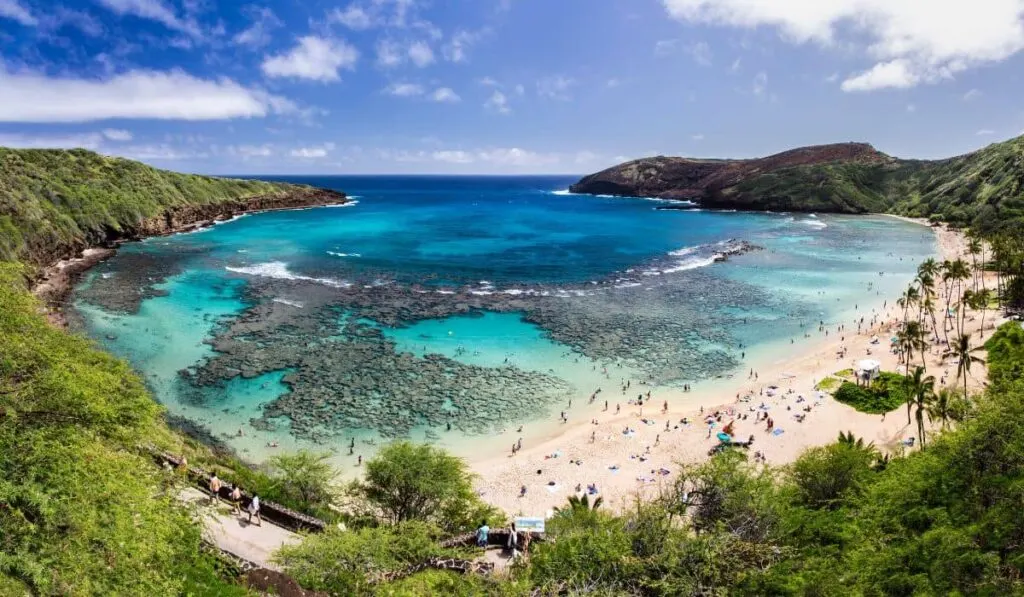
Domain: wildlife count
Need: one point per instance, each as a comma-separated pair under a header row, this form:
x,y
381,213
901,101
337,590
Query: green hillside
x,y
984,189
54,203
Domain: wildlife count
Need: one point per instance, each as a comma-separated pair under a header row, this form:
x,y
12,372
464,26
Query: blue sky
x,y
503,86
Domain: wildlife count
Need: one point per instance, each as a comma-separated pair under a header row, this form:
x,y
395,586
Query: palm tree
x,y
956,273
974,248
581,503
944,407
911,337
908,299
920,393
964,353
980,300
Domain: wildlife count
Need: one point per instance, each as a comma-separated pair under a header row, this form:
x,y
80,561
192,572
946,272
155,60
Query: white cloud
x,y
315,58
697,137
64,17
700,52
665,47
498,103
736,65
760,84
247,152
389,54
313,152
520,90
973,94
612,83
258,33
404,89
513,157
172,95
117,134
911,41
420,54
445,95
489,82
832,78
154,10
354,17
70,141
456,50
556,87
894,74
911,108
454,156
985,132
15,11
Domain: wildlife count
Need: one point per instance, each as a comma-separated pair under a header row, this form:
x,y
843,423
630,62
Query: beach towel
x,y
778,431
724,437
553,488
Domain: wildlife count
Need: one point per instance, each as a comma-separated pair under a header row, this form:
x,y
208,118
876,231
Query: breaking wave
x,y
278,270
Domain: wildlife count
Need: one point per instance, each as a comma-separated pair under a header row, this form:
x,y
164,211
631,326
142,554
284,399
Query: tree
x,y
974,248
943,407
920,391
407,481
911,337
963,352
306,478
826,477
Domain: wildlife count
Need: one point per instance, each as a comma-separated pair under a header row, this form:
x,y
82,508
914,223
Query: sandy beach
x,y
628,453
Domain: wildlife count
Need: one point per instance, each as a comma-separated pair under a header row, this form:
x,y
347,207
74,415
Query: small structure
x,y
868,370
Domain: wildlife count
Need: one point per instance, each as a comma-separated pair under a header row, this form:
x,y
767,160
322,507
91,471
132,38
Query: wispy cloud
x,y
445,95
498,103
404,89
16,11
557,87
257,34
154,10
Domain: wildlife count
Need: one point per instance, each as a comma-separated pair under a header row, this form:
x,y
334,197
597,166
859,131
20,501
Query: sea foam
x,y
279,271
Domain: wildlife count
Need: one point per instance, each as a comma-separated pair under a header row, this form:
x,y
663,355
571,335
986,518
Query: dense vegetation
x,y
983,189
884,394
56,202
81,511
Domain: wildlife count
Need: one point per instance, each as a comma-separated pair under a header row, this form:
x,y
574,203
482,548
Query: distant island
x,y
982,189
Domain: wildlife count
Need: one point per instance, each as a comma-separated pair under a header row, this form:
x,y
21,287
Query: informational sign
x,y
530,524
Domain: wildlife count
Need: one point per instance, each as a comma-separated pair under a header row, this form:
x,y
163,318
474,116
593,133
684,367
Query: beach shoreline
x,y
624,465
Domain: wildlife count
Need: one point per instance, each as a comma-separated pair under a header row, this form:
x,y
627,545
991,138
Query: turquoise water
x,y
444,308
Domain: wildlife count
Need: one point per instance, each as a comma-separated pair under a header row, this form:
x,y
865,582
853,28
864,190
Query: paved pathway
x,y
234,535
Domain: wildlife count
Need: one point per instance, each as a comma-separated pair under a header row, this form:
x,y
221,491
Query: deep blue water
x,y
631,273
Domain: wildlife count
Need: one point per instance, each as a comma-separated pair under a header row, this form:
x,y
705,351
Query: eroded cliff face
x,y
178,219
696,179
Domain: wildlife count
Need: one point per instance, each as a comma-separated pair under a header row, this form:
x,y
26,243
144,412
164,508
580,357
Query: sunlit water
x,y
627,269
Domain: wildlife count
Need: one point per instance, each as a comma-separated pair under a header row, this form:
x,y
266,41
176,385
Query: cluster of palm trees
x,y
963,288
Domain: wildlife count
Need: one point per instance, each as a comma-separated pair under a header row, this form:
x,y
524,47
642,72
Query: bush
x,y
885,394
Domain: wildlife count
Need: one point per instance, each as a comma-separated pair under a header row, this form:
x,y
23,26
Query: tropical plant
x,y
306,478
920,392
964,353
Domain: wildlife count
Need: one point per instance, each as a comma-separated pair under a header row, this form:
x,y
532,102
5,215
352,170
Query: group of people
x,y
235,499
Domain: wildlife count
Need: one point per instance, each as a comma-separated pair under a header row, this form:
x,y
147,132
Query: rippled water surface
x,y
445,308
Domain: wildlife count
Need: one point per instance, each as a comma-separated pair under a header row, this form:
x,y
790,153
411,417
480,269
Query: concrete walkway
x,y
231,533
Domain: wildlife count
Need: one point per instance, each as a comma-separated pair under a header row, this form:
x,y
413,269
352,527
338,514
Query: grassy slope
x,y
59,201
984,189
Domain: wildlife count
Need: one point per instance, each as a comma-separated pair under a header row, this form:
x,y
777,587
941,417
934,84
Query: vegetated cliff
x,y
55,203
984,188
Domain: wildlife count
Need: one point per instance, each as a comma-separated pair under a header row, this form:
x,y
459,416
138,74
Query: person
x,y
214,487
481,534
513,540
254,509
236,499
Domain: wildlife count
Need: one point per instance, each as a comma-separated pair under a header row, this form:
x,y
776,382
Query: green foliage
x,y
54,202
350,562
828,476
82,513
305,478
1006,354
407,481
885,394
828,384
443,582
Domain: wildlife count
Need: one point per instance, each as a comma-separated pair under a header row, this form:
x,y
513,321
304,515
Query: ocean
x,y
447,309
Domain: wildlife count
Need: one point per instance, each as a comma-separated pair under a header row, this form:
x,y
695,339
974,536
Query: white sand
x,y
795,374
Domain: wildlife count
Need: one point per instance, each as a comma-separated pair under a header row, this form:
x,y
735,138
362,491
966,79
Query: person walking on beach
x,y
513,540
254,510
481,534
214,487
236,499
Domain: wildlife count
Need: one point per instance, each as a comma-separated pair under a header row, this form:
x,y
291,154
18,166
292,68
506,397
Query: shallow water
x,y
474,303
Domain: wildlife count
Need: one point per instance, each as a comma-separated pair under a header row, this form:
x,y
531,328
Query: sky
x,y
503,86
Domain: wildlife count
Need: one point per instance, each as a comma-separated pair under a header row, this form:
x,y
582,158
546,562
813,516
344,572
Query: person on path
x,y
236,499
513,540
481,534
254,510
215,485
